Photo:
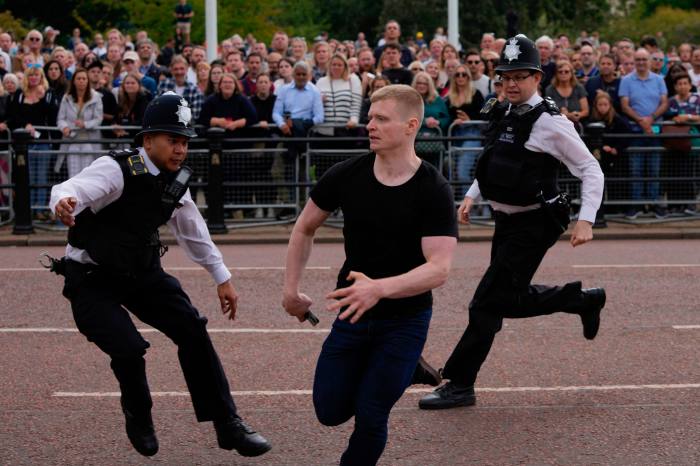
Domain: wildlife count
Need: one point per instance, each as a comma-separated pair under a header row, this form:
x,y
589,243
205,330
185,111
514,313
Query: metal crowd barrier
x,y
6,185
248,181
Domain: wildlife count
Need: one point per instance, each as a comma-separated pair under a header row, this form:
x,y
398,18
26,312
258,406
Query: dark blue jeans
x,y
362,371
638,161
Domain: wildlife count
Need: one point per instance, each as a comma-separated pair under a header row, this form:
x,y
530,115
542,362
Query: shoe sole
x,y
257,452
433,407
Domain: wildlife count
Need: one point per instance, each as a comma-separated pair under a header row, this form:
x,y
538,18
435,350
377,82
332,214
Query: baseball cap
x,y
131,55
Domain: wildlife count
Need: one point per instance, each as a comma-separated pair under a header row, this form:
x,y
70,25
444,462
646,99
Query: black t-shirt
x,y
384,224
183,10
473,109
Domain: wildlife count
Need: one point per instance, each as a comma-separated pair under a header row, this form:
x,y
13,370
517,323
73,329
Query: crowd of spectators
x,y
284,89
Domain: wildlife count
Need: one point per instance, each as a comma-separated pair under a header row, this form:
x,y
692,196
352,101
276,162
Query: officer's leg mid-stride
x,y
505,292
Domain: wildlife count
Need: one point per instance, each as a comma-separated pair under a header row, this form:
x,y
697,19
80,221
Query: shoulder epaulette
x,y
551,106
488,106
134,160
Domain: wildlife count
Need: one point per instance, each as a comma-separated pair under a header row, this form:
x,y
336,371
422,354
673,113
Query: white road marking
x,y
279,330
152,330
175,269
575,388
630,266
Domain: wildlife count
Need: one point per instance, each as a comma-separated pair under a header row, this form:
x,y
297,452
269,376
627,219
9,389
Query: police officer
x,y
112,264
525,141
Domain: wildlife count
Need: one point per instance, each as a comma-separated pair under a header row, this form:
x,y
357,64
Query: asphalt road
x,y
545,395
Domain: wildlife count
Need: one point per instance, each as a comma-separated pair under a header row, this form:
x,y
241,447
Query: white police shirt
x,y
556,135
102,183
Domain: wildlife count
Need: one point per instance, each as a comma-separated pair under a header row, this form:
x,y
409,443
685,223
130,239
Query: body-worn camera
x,y
176,188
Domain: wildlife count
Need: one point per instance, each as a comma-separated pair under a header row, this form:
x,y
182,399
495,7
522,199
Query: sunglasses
x,y
657,59
34,65
35,39
461,75
416,69
564,72
473,62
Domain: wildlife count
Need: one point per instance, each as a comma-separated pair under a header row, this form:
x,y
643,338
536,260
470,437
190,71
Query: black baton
x,y
311,318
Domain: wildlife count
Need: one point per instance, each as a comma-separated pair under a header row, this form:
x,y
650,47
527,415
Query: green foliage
x,y
93,16
646,8
677,25
345,18
416,15
301,18
11,24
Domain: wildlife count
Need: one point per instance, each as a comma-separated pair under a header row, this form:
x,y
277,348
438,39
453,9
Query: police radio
x,y
177,187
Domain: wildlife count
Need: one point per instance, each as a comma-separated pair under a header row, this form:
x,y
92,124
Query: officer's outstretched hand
x,y
360,297
297,305
64,210
229,298
463,211
583,233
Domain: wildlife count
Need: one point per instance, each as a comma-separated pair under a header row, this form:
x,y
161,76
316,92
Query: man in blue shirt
x,y
644,100
298,102
298,107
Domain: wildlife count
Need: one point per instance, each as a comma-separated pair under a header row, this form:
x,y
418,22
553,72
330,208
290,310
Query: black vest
x,y
123,236
508,172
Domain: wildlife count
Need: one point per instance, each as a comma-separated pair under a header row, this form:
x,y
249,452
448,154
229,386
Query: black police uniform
x,y
123,239
113,265
510,174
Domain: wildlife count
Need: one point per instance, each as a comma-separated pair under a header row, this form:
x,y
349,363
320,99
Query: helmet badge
x,y
184,113
512,50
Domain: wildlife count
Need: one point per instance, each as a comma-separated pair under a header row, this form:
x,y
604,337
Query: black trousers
x,y
100,301
519,244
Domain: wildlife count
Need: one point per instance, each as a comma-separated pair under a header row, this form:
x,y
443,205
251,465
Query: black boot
x,y
140,431
233,433
593,302
425,374
450,395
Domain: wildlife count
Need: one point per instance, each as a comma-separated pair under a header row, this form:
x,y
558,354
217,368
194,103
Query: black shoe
x,y
593,302
141,434
425,374
450,395
233,433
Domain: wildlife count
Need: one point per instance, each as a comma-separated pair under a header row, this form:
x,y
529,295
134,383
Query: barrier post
x,y
215,187
20,179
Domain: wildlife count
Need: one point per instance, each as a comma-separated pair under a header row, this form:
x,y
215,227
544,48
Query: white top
x,y
102,183
483,85
342,99
8,61
694,77
556,135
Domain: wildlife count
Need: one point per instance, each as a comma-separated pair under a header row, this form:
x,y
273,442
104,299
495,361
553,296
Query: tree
x,y
677,25
301,18
348,17
13,25
415,15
